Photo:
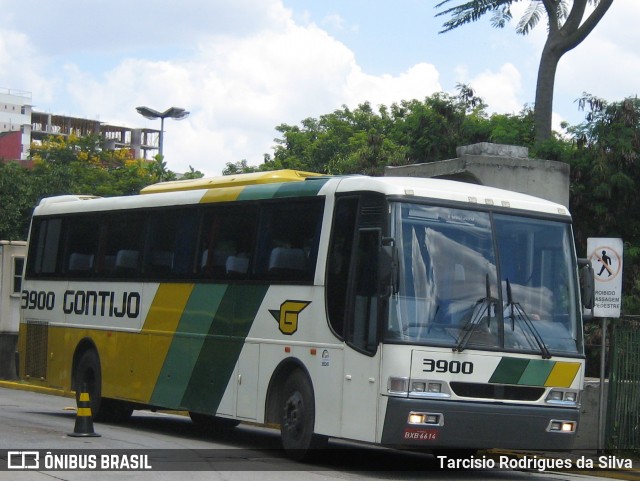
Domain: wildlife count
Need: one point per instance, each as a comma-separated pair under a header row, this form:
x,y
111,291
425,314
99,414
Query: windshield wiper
x,y
482,306
517,312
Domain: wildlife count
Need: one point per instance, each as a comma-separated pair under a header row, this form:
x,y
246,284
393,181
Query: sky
x,y
243,67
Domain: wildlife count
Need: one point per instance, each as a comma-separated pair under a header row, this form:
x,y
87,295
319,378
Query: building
x,y
12,255
503,166
20,125
15,118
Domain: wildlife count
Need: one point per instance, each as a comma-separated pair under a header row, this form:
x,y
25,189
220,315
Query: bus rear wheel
x,y
297,418
88,379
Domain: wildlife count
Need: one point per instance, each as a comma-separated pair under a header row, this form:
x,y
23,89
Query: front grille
x,y
35,363
497,391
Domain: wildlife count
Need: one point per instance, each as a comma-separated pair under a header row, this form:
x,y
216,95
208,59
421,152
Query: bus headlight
x,y
418,386
562,397
429,389
435,387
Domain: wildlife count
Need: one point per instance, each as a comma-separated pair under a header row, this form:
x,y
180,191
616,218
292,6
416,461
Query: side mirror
x,y
388,274
587,283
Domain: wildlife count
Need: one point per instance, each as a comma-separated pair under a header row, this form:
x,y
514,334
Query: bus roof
x,y
451,190
253,178
287,183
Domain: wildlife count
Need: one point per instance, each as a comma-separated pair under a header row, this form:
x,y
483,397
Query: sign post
x,y
605,255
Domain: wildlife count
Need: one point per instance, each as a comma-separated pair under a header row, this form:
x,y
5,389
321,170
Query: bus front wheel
x,y
297,417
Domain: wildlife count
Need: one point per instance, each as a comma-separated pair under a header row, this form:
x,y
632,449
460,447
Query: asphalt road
x,y
37,425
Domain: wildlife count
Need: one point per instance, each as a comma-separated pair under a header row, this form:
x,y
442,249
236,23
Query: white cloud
x,y
21,66
501,89
239,89
607,63
417,82
242,67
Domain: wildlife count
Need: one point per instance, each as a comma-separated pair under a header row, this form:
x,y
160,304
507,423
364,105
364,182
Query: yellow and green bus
x,y
404,312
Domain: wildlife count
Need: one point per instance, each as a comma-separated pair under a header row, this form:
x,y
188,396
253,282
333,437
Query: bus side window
x,y
45,247
288,247
339,262
228,242
82,240
123,245
171,243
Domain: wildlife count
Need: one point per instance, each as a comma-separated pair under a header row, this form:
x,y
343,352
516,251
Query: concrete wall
x,y
587,435
503,166
9,305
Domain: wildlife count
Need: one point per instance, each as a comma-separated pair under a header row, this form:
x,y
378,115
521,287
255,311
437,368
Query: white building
x,y
15,116
12,256
20,125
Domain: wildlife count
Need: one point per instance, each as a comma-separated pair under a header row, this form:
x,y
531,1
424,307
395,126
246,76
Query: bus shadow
x,y
254,448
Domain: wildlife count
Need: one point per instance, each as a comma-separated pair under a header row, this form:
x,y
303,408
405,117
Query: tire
x,y
297,417
88,378
114,410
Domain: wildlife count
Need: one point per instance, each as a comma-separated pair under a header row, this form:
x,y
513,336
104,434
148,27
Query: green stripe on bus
x,y
221,348
299,189
187,342
509,370
289,189
536,373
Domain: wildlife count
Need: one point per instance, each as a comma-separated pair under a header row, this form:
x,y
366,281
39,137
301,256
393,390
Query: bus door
x,y
361,382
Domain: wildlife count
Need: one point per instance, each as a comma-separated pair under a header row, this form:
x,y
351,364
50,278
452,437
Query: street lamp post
x,y
176,113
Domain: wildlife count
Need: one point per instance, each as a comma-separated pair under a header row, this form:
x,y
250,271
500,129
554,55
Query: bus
x,y
404,312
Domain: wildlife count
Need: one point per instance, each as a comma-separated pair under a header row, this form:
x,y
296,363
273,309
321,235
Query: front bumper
x,y
477,425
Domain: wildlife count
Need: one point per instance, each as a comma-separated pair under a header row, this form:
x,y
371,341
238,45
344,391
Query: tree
x,y
605,180
17,197
566,29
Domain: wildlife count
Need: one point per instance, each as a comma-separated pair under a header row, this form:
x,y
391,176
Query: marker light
x,y
566,427
398,386
431,419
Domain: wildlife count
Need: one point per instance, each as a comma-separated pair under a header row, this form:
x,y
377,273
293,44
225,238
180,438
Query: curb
x,y
23,386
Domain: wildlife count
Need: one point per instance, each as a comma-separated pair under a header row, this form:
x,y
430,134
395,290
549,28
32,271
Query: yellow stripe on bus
x,y
163,318
226,194
563,374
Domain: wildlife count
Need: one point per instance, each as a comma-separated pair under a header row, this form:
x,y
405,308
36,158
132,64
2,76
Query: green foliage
x,y
192,174
602,153
17,194
240,167
364,140
605,179
71,165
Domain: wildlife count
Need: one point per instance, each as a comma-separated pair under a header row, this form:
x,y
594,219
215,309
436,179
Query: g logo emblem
x,y
287,316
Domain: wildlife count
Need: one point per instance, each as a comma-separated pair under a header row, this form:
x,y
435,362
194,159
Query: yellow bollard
x,y
84,418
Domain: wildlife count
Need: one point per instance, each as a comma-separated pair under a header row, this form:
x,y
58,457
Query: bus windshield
x,y
484,280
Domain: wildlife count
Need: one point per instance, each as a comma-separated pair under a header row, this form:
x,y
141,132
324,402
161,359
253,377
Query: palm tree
x,y
568,24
